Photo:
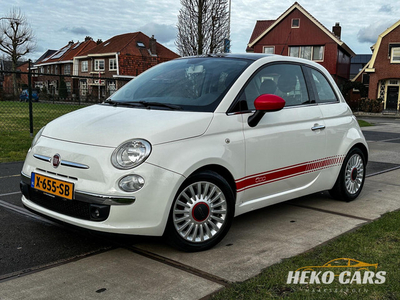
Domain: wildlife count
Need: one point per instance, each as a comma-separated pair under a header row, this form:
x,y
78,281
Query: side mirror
x,y
265,103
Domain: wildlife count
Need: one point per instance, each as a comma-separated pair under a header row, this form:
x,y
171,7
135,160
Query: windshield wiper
x,y
143,104
167,105
124,103
112,102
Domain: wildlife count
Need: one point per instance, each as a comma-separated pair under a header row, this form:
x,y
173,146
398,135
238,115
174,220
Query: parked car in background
x,y
24,96
191,143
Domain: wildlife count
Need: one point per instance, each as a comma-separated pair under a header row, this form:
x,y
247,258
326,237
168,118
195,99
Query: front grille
x,y
72,208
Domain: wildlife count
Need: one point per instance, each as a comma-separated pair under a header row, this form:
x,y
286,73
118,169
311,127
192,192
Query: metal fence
x,y
52,96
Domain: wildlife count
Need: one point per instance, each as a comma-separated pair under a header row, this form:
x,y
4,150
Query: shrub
x,y
371,105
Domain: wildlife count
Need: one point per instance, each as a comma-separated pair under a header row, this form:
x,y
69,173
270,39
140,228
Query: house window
x,y
99,65
67,69
269,50
395,55
295,23
111,87
365,78
315,53
112,64
318,53
305,52
68,84
84,66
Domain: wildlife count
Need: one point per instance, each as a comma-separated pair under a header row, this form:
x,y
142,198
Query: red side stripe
x,y
287,172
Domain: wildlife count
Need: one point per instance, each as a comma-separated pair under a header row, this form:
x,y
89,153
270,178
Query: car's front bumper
x,y
98,204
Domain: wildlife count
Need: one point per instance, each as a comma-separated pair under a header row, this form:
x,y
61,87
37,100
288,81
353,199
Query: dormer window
x,y
295,23
395,55
99,64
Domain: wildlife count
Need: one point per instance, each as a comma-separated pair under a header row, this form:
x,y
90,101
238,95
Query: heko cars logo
x,y
343,270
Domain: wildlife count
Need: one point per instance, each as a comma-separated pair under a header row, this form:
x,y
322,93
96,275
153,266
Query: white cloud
x,y
386,8
75,30
162,32
370,33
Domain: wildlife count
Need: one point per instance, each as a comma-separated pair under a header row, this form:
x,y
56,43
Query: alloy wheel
x,y
199,212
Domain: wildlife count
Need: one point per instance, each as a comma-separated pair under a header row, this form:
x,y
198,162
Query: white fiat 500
x,y
188,145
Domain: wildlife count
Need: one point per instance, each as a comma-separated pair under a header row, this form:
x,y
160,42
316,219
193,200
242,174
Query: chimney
x,y
99,41
88,38
153,45
337,30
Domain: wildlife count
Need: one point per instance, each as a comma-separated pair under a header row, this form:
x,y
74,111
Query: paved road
x,y
29,244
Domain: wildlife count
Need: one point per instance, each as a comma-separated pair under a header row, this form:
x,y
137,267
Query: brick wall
x,y
383,68
134,65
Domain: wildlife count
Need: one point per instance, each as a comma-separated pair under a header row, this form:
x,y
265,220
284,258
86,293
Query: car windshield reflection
x,y
195,84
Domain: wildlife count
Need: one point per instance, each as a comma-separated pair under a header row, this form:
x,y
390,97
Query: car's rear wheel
x,y
201,213
351,178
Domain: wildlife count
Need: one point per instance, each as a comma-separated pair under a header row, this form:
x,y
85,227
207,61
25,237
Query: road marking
x,y
383,141
383,171
9,194
10,176
24,212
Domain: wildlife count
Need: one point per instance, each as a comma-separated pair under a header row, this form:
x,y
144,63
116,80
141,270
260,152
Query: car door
x,y
285,151
338,119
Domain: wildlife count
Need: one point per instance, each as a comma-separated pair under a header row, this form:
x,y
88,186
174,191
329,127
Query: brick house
x,y
297,33
54,67
382,73
116,61
6,80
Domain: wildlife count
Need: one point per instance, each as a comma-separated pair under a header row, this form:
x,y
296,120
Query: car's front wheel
x,y
351,178
201,213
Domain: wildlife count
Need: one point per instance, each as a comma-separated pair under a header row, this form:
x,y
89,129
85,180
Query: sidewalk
x,y
256,240
377,115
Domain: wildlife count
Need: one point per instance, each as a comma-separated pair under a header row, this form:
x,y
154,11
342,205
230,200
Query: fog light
x,y
99,212
131,183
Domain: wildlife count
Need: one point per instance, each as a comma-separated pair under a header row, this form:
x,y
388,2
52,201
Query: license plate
x,y
52,186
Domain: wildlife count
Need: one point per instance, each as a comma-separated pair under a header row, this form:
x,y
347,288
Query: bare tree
x,y
203,26
16,39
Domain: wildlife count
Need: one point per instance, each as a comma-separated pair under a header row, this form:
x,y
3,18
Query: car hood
x,y
108,126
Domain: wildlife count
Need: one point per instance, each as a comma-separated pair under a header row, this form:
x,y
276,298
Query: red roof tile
x,y
128,44
68,52
260,27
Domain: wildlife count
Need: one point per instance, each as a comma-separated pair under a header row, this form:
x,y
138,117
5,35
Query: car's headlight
x,y
37,137
130,154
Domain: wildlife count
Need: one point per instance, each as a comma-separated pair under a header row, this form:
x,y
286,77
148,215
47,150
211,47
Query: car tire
x,y
351,178
201,213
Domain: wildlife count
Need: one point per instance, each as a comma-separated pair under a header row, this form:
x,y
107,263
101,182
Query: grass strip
x,y
15,138
376,242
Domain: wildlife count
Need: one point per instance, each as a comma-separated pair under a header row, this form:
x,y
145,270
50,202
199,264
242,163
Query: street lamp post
x,y
227,41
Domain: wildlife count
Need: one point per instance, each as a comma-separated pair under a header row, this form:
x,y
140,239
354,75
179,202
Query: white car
x,y
191,143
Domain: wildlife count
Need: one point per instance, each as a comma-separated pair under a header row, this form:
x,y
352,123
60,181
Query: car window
x,y
323,88
193,84
284,80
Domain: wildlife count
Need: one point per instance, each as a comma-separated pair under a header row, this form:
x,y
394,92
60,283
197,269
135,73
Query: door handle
x,y
317,127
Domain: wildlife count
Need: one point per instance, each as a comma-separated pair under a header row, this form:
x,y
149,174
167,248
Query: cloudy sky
x,y
56,22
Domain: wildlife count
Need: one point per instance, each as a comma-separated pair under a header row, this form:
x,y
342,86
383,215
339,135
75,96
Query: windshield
x,y
192,84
